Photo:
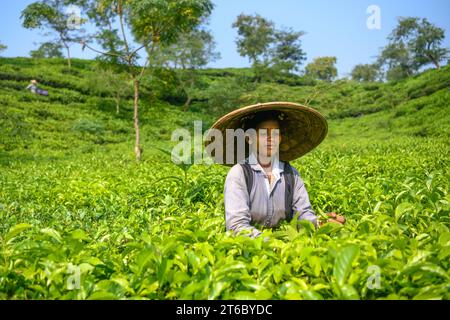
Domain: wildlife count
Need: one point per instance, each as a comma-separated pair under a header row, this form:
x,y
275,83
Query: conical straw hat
x,y
302,128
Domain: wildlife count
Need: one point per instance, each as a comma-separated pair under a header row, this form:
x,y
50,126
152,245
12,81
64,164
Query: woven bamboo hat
x,y
302,129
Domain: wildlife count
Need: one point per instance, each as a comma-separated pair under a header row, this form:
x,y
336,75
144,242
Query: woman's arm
x,y
300,201
237,203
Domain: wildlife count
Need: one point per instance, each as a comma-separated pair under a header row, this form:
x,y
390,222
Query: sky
x,y
333,27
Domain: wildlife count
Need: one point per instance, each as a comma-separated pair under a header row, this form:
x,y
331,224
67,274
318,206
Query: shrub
x,y
88,126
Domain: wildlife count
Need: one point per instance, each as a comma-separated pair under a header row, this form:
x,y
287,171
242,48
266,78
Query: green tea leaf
x,y
52,233
343,263
16,230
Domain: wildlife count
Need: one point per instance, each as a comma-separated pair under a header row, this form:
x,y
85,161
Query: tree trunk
x,y
117,104
436,64
68,55
187,103
257,71
137,146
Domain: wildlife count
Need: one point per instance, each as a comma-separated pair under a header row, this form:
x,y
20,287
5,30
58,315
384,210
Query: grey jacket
x,y
265,206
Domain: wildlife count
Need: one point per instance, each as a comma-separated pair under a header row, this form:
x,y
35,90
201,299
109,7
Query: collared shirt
x,y
265,206
277,168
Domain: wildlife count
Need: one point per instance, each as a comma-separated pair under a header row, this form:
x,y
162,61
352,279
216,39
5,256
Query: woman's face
x,y
268,138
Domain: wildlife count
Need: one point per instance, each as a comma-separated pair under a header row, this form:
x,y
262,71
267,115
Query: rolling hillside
x,y
72,195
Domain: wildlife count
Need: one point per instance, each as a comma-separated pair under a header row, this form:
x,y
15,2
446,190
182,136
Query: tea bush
x,y
80,219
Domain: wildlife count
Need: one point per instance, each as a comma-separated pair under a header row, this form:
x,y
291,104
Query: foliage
x,y
256,34
322,68
54,15
119,229
423,39
47,50
152,23
3,47
164,20
227,94
107,82
270,51
192,51
288,54
80,219
365,73
412,45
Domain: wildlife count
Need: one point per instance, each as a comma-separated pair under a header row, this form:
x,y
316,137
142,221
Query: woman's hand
x,y
334,218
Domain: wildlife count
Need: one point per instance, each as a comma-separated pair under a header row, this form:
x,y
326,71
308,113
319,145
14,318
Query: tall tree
x,y
255,36
422,39
322,68
270,51
192,51
47,50
365,72
56,16
287,54
413,44
152,23
397,62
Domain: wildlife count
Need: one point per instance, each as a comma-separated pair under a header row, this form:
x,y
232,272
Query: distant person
x,y
34,88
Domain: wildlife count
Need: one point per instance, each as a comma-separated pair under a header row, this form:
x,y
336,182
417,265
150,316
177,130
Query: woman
x,y
283,131
33,86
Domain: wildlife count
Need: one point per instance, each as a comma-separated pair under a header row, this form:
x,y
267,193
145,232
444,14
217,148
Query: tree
x,y
287,54
413,44
106,81
365,72
322,68
55,16
3,47
397,62
255,35
192,51
108,35
268,49
152,23
422,39
47,50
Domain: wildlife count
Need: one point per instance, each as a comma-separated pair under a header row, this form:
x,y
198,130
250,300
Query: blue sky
x,y
333,27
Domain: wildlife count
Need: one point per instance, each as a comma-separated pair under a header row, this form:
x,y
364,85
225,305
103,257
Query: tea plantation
x,y
80,219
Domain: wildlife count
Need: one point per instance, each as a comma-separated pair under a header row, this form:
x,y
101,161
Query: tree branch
x,y
143,46
84,44
147,62
120,11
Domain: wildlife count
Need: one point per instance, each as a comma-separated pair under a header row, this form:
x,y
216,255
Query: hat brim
x,y
303,128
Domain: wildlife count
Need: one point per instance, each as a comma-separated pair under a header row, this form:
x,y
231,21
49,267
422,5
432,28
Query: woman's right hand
x,y
333,218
